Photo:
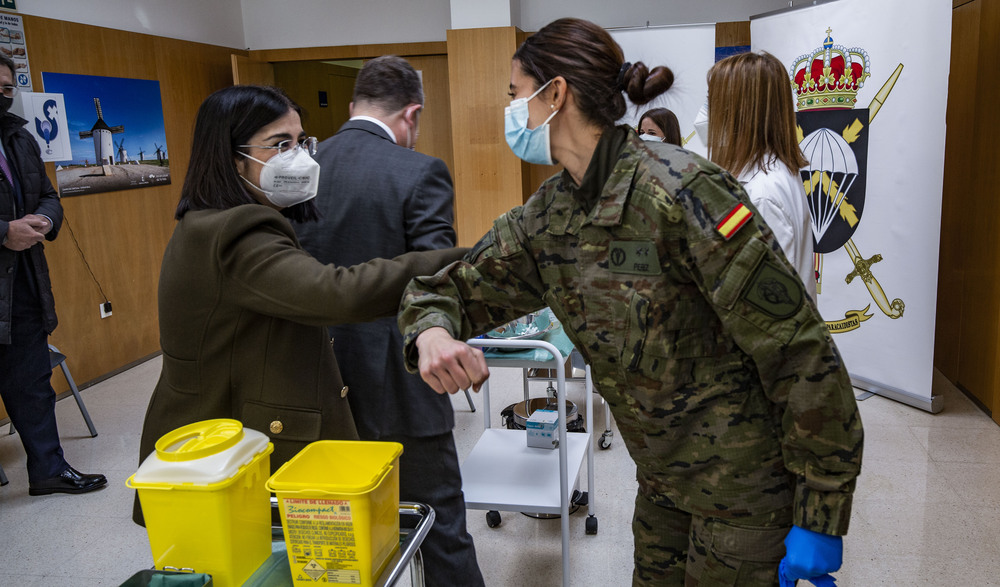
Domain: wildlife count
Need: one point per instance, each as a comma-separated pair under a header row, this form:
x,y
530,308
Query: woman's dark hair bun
x,y
643,85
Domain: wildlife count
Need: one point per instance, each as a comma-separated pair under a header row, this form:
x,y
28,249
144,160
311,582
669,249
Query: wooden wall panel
x,y
732,34
958,187
251,72
488,177
984,196
350,52
967,347
435,119
123,233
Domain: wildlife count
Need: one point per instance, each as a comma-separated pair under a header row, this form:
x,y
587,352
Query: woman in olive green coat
x,y
242,307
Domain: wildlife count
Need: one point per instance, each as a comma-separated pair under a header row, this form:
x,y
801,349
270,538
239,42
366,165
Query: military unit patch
x,y
733,221
774,291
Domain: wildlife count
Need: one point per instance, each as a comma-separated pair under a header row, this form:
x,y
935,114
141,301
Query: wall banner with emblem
x,y
869,79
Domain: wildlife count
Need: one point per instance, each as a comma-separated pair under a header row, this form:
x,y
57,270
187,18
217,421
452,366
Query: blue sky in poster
x,y
132,103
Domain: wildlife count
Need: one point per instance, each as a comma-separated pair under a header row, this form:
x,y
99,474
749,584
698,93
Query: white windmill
x,y
122,152
103,149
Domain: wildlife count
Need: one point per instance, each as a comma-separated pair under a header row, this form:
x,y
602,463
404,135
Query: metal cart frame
x,y
529,478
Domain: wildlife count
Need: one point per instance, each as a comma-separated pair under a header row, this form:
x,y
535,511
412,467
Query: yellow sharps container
x,y
339,503
204,500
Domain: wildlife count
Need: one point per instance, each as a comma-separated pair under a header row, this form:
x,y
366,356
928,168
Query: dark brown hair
x,y
751,119
594,68
666,120
226,119
389,83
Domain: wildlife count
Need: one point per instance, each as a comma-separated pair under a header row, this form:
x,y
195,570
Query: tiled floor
x,y
927,508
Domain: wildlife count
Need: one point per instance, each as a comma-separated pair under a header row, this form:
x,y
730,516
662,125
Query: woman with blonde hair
x,y
751,133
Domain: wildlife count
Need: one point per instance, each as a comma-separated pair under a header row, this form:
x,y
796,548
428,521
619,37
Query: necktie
x,y
5,167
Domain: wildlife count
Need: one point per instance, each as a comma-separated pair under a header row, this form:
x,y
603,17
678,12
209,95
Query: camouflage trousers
x,y
676,548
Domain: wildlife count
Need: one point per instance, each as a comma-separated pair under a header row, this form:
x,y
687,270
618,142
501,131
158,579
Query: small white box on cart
x,y
542,427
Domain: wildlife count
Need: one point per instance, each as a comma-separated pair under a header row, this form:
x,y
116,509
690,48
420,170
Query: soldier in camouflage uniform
x,y
726,386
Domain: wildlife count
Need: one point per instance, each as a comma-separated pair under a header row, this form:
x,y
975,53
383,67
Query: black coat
x,y
40,198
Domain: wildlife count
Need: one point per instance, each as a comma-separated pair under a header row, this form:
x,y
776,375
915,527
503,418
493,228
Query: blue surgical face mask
x,y
531,145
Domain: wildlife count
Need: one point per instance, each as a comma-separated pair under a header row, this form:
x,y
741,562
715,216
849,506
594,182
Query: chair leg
x,y
3,477
472,405
79,400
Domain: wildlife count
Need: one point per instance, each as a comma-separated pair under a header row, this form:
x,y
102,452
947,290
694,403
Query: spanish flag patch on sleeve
x,y
733,221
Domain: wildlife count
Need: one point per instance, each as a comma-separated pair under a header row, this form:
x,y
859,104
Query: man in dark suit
x,y
30,213
380,198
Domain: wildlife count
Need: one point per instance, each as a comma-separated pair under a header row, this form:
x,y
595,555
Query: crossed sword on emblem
x,y
862,266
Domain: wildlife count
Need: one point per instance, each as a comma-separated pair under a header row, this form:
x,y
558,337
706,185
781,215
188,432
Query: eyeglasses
x,y
9,91
287,146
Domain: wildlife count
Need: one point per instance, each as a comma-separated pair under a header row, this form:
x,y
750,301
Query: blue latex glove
x,y
810,555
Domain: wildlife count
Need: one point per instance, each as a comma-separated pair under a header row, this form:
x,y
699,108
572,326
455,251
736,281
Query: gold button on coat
x,y
277,427
343,392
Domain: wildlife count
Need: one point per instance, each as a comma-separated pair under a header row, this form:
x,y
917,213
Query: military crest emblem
x,y
833,136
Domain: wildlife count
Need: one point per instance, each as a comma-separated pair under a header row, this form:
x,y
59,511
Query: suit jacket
x,y
379,199
39,197
242,312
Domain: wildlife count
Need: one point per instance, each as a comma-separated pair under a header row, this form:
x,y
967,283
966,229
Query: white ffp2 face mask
x,y
286,181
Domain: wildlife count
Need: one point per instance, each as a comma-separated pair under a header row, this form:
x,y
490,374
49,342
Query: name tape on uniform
x,y
634,257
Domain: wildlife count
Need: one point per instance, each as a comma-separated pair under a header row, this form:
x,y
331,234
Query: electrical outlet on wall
x,y
105,309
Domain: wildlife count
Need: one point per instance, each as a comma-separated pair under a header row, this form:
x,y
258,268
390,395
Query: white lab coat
x,y
779,196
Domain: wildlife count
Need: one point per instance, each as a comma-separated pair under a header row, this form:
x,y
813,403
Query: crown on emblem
x,y
829,78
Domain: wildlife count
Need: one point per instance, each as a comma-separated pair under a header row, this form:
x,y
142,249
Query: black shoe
x,y
69,481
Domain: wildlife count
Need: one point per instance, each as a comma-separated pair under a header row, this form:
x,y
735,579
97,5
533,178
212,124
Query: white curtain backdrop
x,y
689,51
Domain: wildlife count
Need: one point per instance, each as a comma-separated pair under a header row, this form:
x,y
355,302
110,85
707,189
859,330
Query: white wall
x,y
215,22
476,14
627,13
275,24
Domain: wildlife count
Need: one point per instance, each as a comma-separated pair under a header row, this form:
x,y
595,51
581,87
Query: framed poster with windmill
x,y
116,132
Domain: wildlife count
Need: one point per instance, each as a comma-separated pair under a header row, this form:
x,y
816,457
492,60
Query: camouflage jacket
x,y
723,379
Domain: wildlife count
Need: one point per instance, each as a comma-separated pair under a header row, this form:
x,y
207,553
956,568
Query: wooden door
x,y
340,92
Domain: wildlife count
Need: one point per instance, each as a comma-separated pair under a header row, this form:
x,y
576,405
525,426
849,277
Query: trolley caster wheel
x,y
605,441
492,519
580,498
591,524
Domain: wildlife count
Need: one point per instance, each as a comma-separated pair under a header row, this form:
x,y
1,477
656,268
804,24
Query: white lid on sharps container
x,y
207,453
